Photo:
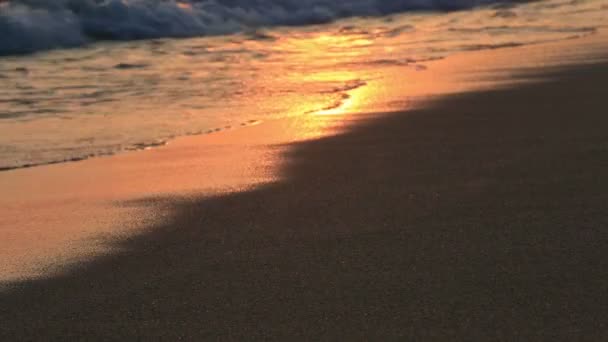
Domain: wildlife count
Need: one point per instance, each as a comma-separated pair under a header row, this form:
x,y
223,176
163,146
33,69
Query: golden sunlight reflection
x,y
353,101
334,118
331,80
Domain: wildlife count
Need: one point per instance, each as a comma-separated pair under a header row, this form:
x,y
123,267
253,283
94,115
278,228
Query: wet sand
x,y
478,216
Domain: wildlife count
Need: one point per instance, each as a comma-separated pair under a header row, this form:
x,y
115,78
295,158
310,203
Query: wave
x,y
32,25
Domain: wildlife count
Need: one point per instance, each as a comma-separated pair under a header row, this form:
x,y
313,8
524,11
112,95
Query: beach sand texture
x,y
479,215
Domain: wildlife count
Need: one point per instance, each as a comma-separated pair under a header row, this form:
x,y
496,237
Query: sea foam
x,y
32,25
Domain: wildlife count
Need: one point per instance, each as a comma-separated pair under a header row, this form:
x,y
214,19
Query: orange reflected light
x,y
184,5
354,101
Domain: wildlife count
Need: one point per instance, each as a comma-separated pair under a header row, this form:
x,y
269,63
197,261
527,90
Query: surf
x,y
28,26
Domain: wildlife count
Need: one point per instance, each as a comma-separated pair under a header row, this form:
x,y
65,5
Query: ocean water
x,y
83,78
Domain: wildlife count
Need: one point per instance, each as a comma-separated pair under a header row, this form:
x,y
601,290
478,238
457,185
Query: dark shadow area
x,y
480,217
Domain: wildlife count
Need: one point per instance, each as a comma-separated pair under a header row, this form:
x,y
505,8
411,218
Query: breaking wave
x,y
32,25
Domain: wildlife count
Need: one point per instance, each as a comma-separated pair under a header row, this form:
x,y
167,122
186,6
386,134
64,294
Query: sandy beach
x,y
468,203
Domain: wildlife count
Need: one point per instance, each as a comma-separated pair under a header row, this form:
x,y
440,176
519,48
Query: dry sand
x,y
477,216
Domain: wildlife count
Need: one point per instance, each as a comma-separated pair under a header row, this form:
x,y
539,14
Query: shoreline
x,y
478,213
344,96
229,160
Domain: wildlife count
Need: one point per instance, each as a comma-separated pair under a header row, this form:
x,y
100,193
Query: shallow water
x,y
108,97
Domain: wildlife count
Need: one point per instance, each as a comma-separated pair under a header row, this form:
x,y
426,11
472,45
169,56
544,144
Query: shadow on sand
x,y
482,216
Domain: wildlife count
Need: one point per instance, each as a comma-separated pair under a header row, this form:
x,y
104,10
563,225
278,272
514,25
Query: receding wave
x,y
32,25
76,155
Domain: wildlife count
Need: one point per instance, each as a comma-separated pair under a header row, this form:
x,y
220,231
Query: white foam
x,y
33,25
